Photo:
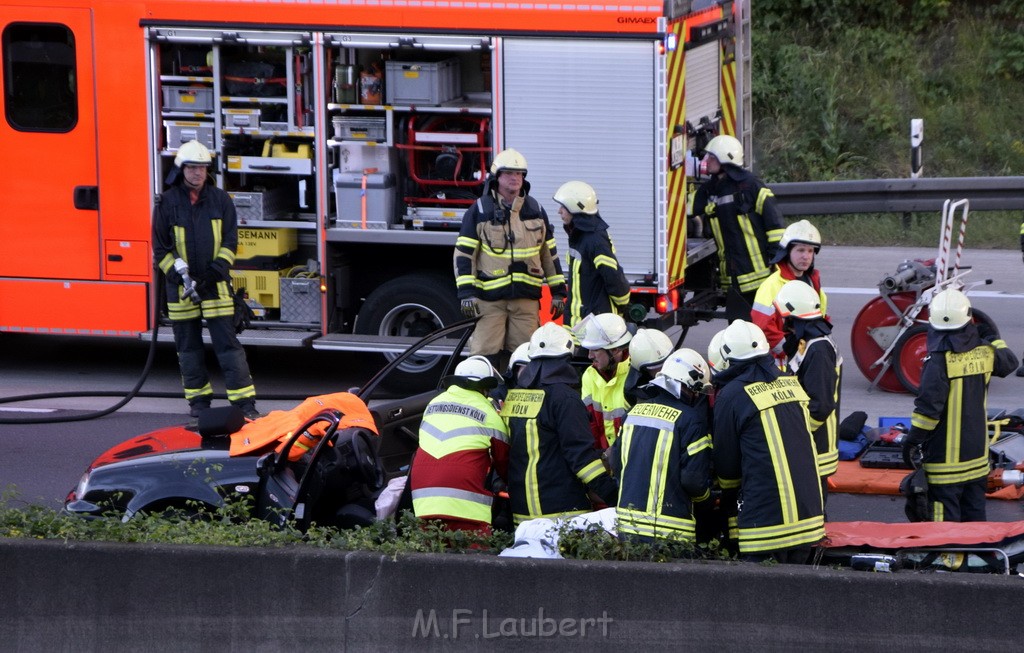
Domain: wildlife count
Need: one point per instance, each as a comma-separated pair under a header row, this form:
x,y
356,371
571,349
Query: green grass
x,y
985,230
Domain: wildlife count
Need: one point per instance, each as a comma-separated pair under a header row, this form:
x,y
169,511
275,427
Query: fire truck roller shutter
x,y
412,305
552,88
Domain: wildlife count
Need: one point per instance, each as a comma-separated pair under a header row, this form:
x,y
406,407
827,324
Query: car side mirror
x,y
265,464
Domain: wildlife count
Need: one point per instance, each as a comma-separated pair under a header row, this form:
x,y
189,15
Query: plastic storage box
x,y
347,128
183,131
259,206
423,83
379,210
188,98
300,300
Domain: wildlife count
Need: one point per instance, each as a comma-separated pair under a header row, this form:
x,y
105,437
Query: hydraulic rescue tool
x,y
181,267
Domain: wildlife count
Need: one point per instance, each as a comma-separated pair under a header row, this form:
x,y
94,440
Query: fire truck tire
x,y
413,306
876,313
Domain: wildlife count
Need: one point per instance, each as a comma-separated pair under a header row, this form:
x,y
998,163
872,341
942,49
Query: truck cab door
x,y
49,220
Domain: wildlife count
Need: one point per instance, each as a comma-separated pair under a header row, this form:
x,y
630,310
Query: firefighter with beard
x,y
740,213
597,283
663,455
503,256
950,417
763,451
814,357
606,339
553,468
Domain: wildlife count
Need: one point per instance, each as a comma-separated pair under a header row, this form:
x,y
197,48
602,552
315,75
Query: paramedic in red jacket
x,y
461,438
950,419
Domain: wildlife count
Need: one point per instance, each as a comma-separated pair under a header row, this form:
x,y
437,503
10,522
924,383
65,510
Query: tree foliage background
x,y
836,83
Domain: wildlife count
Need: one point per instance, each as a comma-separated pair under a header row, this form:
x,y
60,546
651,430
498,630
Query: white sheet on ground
x,y
538,538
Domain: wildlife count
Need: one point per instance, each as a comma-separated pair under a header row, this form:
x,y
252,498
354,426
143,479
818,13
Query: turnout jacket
x,y
606,404
198,233
818,366
663,462
950,412
461,437
506,252
740,213
763,449
764,313
553,462
597,283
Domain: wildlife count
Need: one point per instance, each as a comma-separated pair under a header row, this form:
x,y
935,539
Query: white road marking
x,y
28,410
983,294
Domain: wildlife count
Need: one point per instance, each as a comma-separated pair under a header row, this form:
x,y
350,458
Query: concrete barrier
x,y
140,597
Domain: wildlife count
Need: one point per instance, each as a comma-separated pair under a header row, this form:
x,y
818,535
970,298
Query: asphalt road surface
x,y
44,461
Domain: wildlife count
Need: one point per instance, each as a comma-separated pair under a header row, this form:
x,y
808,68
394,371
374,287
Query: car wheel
x,y
411,306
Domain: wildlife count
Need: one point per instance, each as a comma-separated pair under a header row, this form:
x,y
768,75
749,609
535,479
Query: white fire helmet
x,y
604,331
949,310
550,341
727,149
577,197
799,300
743,340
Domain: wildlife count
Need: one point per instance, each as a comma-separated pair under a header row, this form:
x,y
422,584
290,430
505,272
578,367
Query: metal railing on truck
x,y
898,195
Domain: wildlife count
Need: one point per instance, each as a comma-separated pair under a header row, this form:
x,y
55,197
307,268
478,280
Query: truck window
x,y
40,87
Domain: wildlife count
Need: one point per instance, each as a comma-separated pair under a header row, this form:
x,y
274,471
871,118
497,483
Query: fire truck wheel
x,y
411,306
908,357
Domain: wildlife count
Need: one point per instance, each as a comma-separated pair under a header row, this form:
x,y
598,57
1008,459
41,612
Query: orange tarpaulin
x,y
919,534
279,425
851,478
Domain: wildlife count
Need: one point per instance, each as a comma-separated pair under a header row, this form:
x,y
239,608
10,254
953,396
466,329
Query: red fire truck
x,y
352,136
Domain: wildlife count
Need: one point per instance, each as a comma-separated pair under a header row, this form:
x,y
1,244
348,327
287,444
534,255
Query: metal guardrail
x,y
898,195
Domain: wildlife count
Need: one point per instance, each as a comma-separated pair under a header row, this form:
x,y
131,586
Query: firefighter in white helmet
x,y
663,455
554,467
504,254
597,282
606,339
736,209
648,349
794,259
812,355
763,452
949,421
195,223
461,439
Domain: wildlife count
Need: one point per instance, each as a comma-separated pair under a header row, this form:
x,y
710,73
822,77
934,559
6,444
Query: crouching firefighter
x,y
461,439
663,455
950,415
553,468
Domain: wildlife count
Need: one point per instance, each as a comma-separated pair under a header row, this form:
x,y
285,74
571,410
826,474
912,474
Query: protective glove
x,y
173,276
987,332
219,270
470,308
557,307
917,436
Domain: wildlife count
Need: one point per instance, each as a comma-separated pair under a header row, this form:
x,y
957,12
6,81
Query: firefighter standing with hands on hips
x,y
740,212
504,254
597,283
195,222
950,420
794,260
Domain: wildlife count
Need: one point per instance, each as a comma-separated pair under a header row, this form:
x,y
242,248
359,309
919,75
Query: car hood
x,y
171,440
